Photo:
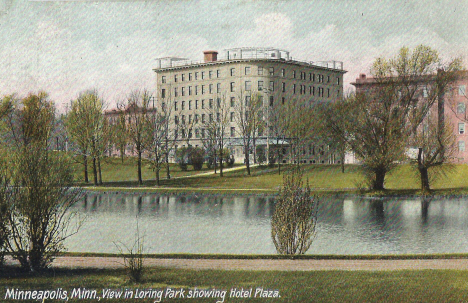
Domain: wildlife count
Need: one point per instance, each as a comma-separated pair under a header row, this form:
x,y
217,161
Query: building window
x,y
328,92
247,70
294,88
196,89
196,75
175,78
461,146
218,88
294,74
182,77
190,90
461,128
232,117
218,102
163,79
196,104
163,93
197,133
183,119
176,120
210,88
283,72
218,73
183,105
461,108
233,101
271,71
211,118
203,133
272,86
203,103
233,87
203,91
283,87
203,118
190,119
283,99
328,79
233,71
260,71
260,85
210,74
233,131
271,101
461,90
248,85
210,104
190,76
337,80
175,92
182,91
175,105
190,104
203,75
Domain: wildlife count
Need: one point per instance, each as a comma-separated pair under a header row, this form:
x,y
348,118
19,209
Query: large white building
x,y
190,88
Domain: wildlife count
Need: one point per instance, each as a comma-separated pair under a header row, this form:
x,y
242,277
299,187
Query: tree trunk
x,y
342,162
140,180
99,171
95,171
157,175
279,161
378,182
247,160
122,153
424,179
221,163
85,162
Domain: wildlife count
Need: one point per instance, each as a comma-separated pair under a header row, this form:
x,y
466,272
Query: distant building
x,y
192,87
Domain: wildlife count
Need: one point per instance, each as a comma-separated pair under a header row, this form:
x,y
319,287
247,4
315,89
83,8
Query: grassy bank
x,y
317,286
322,178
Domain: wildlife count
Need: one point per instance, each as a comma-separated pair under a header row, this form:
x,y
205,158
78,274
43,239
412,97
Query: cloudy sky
x,y
64,47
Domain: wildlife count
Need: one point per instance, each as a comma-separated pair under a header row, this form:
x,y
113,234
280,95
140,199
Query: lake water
x,y
241,224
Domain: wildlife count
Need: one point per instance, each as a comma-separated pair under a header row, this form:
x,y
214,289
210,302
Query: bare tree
x,y
136,112
155,135
247,119
216,126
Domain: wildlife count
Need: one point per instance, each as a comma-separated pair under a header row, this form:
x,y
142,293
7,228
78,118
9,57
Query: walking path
x,y
281,265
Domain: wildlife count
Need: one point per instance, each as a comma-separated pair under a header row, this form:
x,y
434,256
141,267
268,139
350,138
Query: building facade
x,y
192,88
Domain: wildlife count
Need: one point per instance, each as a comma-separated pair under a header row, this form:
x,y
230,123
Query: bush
x,y
197,157
260,153
133,257
182,158
295,216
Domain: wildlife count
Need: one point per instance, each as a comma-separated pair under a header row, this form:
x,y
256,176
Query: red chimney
x,y
210,56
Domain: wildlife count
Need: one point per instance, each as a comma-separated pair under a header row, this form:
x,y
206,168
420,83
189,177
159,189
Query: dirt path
x,y
284,265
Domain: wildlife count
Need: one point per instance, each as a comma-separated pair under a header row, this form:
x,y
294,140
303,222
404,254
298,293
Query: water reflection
x,y
241,224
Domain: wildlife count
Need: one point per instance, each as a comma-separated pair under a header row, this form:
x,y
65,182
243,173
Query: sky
x,y
66,47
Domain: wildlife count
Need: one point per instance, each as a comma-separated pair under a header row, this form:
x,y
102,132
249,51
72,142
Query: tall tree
x,y
216,126
378,118
246,116
39,192
138,102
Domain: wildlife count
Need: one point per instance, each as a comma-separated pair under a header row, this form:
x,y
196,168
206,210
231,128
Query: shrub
x,y
133,257
197,156
260,153
295,216
182,158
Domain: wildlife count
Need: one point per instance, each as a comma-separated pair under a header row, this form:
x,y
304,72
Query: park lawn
x,y
292,286
404,179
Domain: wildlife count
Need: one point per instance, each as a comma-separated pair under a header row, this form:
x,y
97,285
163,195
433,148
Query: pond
x,y
198,223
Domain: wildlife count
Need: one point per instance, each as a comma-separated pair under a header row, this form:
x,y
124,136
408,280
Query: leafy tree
x,y
38,192
379,118
295,217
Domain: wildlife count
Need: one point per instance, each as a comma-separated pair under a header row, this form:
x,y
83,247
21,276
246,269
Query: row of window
x,y
320,78
199,133
301,89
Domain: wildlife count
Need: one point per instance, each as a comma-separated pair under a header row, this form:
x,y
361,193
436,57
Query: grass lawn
x,y
315,286
403,180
